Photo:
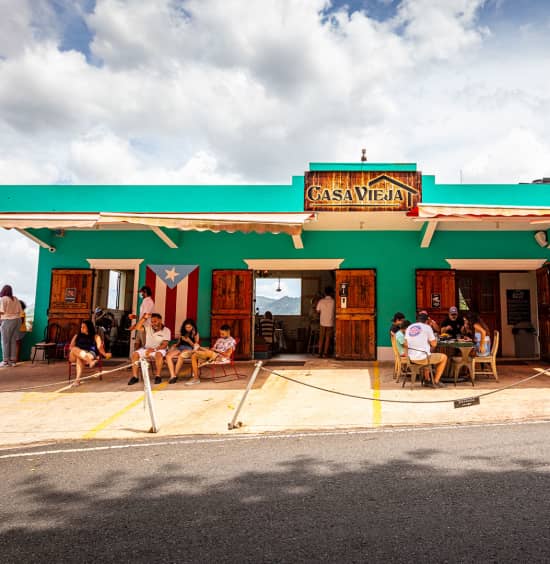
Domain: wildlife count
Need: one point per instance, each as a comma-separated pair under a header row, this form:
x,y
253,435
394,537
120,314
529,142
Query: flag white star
x,y
171,274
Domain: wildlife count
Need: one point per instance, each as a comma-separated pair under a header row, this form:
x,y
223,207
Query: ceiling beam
x,y
34,238
297,240
162,235
428,231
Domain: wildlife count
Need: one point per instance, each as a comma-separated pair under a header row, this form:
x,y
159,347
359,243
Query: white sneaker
x,y
12,363
4,364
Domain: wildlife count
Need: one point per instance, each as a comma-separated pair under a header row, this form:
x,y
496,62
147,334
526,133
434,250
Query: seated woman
x,y
481,334
85,349
189,341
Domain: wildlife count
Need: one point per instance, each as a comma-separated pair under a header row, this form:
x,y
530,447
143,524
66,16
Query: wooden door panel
x,y
232,292
429,282
543,305
70,298
355,337
232,305
355,324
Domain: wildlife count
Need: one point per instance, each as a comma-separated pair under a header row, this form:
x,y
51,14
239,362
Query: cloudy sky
x,y
180,91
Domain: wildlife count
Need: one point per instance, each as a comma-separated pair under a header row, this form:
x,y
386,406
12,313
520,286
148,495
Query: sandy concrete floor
x,y
111,409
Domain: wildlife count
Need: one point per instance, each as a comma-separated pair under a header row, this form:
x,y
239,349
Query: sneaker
x,y
133,380
4,364
158,379
440,385
12,363
173,380
192,382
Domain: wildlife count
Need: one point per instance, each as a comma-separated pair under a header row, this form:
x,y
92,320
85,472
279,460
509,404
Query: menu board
x,y
518,306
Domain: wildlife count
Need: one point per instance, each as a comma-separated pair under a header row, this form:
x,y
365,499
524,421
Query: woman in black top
x,y
189,340
85,349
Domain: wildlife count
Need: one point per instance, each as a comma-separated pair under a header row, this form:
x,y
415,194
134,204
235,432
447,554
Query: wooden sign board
x,y
361,191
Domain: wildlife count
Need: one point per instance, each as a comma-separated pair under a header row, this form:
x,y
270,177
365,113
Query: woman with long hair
x,y
86,348
481,334
188,342
10,314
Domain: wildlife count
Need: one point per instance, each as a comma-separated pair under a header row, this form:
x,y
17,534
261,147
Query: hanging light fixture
x,y
278,289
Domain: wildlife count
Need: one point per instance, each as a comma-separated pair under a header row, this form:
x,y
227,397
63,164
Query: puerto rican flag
x,y
175,292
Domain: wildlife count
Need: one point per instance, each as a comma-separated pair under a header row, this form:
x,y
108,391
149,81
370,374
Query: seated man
x,y
452,324
157,337
221,352
267,327
419,340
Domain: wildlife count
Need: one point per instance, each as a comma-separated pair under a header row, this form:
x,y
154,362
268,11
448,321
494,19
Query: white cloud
x,y
239,91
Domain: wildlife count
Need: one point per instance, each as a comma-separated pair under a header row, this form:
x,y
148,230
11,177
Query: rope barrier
x,y
95,375
385,400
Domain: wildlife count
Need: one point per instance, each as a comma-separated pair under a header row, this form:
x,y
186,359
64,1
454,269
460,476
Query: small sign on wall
x,y
436,301
518,306
70,295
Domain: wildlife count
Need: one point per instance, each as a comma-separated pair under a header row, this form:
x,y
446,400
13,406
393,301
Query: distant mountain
x,y
281,306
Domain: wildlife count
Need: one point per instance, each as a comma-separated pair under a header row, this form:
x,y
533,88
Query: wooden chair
x,y
490,362
401,363
227,367
49,344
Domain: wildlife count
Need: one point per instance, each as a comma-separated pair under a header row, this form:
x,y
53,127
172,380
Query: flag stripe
x,y
193,294
174,304
181,305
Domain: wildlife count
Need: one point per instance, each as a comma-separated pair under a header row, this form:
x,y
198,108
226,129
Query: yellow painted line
x,y
376,405
105,423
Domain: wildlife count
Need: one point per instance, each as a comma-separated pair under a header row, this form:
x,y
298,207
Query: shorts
x,y
182,348
141,352
435,358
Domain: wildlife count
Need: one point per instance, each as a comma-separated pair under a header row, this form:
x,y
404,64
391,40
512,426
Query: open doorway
x,y
285,318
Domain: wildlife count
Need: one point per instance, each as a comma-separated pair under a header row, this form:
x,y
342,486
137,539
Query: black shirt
x,y
456,325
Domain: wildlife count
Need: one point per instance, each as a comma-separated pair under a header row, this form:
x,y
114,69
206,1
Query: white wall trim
x,y
120,264
293,264
496,264
384,354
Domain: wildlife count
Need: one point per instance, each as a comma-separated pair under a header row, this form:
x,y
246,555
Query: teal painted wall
x,y
395,255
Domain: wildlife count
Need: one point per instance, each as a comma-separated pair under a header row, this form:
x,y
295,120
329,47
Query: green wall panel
x,y
395,256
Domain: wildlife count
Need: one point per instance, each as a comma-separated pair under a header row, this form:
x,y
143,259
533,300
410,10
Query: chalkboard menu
x,y
518,306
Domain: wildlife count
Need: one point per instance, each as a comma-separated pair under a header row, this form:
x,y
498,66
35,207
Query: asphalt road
x,y
472,494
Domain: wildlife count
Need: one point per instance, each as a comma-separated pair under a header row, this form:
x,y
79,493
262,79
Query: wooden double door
x,y
478,291
232,303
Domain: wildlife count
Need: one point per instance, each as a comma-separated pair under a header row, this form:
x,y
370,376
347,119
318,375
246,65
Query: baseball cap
x,y
422,316
453,310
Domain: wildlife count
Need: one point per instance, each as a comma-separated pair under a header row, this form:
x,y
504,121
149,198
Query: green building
x,y
385,236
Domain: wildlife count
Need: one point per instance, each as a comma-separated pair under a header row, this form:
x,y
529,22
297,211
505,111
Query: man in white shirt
x,y
157,337
326,308
146,308
419,340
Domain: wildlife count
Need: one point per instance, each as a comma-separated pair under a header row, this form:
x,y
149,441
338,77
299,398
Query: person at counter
x,y
452,325
419,341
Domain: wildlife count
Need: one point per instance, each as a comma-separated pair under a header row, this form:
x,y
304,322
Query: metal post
x,y
233,424
148,394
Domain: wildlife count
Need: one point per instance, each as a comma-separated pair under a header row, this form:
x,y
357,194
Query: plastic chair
x,y
489,361
227,367
49,344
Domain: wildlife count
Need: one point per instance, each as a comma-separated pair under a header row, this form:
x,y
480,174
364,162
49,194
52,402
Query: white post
x,y
148,395
234,425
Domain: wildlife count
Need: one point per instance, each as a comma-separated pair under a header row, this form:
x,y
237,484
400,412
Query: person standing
x,y
326,309
10,314
146,309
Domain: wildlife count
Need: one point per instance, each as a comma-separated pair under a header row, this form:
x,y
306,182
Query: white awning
x,y
458,210
289,223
